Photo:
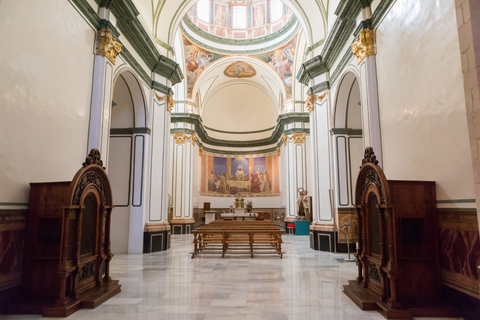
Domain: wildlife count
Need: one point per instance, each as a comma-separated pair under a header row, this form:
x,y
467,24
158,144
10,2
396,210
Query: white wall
x,y
46,67
422,106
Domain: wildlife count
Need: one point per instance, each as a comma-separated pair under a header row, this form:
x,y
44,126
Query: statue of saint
x,y
302,204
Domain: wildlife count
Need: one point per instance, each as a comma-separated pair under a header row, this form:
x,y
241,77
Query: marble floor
x,y
305,284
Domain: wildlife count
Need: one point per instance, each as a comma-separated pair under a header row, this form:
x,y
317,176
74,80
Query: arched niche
x,y
127,146
348,147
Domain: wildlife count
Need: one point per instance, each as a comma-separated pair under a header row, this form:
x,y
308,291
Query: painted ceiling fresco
x,y
196,61
239,69
280,60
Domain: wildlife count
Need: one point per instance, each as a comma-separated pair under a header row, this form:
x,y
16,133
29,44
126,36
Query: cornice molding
x,y
282,120
347,131
236,52
322,86
347,11
238,42
163,66
140,130
127,22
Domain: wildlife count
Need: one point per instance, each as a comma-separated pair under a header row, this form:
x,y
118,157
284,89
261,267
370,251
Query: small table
x,y
302,227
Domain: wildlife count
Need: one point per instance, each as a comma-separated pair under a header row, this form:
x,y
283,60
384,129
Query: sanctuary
x,y
319,127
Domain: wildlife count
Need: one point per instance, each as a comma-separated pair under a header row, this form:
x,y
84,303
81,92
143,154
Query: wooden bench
x,y
238,237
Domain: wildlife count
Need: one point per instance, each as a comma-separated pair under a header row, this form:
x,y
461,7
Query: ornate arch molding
x,y
138,114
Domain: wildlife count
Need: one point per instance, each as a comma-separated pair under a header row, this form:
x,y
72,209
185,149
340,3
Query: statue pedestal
x,y
302,227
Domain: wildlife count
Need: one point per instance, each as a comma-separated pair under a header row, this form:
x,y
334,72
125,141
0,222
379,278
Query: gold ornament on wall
x,y
200,151
278,150
297,137
169,100
107,45
312,98
364,46
181,138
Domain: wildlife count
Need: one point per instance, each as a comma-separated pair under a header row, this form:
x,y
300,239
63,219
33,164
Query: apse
x,y
238,108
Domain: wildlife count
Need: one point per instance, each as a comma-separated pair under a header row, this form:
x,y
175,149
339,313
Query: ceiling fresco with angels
x,y
280,60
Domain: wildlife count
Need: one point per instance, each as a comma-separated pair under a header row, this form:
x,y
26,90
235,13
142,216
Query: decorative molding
x,y
297,137
311,69
239,132
170,102
282,120
364,46
235,52
240,42
347,57
161,88
312,98
138,130
107,46
347,131
322,86
126,15
181,138
314,46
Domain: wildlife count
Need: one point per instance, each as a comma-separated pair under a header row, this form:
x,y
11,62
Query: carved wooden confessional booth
x,y
397,255
67,252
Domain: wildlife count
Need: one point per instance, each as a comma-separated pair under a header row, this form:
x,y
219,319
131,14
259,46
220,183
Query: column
x,y
157,229
364,50
182,221
323,233
296,171
107,50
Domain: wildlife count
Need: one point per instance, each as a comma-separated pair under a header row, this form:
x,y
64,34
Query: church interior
x,y
240,159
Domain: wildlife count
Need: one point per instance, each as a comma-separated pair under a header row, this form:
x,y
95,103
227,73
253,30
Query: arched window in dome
x,y
239,19
203,10
277,10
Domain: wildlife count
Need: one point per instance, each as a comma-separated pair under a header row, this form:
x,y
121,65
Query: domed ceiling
x,y
240,19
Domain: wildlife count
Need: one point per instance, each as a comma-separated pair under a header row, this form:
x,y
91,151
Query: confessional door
x,y
88,246
377,243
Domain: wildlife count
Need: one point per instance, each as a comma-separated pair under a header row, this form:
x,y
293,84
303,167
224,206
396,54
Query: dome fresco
x,y
237,19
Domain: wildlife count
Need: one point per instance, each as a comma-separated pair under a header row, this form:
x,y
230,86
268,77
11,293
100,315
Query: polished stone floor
x,y
305,284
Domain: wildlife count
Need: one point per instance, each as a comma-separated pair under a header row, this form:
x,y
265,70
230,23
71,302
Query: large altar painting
x,y
248,176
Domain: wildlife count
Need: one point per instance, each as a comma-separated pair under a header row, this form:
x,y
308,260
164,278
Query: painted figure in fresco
x,y
212,182
266,186
240,69
224,186
239,175
220,17
255,188
259,17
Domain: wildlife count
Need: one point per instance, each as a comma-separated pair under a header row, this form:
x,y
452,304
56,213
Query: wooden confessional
x,y
397,255
67,251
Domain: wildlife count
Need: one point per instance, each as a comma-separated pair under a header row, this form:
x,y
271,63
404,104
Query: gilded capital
x,y
181,138
364,46
107,46
168,99
296,137
312,98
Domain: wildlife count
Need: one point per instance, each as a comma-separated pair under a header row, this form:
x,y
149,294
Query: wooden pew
x,y
238,237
